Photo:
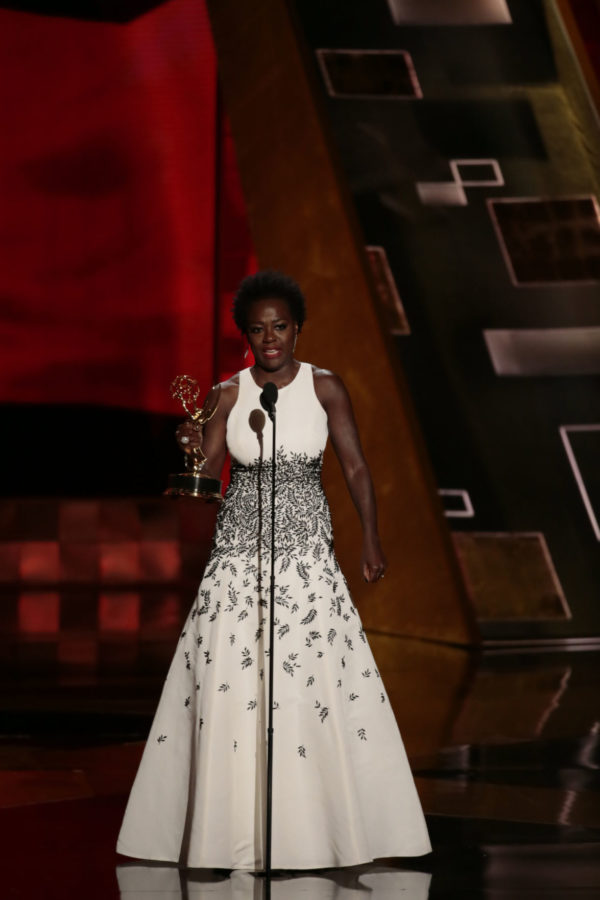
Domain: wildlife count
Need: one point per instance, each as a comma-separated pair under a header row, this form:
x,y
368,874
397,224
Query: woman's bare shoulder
x,y
229,393
328,385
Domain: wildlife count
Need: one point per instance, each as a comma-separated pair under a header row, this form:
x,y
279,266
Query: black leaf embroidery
x,y
382,697
243,614
187,701
353,696
232,639
366,673
283,630
197,685
188,664
362,734
302,751
251,704
303,571
235,746
246,658
161,738
323,713
308,618
207,657
183,634
200,724
291,663
199,640
224,687
348,642
331,636
310,680
295,608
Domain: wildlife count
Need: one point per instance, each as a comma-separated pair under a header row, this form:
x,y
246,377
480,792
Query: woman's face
x,y
271,333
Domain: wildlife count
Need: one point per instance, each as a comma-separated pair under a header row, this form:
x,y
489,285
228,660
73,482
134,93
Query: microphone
x,y
268,398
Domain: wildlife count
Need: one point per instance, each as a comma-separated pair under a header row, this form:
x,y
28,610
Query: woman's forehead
x,y
269,308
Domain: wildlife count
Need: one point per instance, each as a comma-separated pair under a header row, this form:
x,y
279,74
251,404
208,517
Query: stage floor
x,y
505,749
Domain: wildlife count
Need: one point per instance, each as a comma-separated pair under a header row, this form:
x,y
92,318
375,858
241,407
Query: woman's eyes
x,y
256,329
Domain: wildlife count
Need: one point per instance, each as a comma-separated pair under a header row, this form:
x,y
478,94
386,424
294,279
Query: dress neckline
x,y
285,386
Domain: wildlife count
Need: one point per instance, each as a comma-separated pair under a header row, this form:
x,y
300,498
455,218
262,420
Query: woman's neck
x,y
280,377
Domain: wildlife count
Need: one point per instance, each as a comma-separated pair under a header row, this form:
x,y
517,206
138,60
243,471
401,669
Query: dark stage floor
x,y
505,749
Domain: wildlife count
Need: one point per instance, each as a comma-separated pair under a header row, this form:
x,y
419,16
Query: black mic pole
x,y
268,399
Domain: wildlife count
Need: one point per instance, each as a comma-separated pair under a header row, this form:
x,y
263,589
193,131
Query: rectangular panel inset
x,y
477,172
549,240
387,291
160,560
544,351
39,612
119,612
449,12
387,74
40,561
120,561
457,503
441,193
510,576
582,446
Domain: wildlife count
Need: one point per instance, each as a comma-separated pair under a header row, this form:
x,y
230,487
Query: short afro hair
x,y
268,285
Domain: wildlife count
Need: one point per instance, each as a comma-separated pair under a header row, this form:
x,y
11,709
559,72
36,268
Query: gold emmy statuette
x,y
194,482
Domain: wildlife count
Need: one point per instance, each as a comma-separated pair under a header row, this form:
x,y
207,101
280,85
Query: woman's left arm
x,y
335,400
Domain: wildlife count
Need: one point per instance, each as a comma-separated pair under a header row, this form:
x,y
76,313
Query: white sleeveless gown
x,y
343,793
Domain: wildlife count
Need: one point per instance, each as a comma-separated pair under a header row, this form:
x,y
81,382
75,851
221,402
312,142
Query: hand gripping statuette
x,y
194,482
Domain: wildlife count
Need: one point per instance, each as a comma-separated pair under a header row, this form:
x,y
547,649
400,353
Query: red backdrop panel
x,y
107,165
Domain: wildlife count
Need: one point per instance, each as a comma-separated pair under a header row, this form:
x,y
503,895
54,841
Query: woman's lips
x,y
271,352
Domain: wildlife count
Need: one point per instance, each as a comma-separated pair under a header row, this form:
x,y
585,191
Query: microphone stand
x,y
269,835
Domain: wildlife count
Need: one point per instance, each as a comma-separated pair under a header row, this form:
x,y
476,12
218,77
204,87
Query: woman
x,y
343,793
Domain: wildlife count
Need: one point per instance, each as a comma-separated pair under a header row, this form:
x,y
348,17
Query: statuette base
x,y
202,486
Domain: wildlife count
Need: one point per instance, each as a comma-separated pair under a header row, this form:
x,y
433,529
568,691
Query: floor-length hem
x,y
276,866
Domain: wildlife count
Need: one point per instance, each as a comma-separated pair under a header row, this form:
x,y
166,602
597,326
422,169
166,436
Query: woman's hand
x,y
373,560
189,436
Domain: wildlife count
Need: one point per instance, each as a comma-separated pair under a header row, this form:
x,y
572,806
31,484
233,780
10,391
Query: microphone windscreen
x,y
268,398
